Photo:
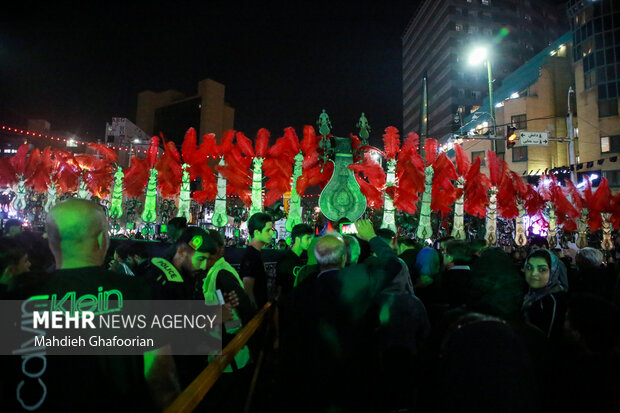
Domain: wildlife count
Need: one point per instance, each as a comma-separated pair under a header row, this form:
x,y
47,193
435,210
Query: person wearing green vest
x,y
223,277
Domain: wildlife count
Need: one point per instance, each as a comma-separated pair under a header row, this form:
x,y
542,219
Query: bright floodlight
x,y
478,56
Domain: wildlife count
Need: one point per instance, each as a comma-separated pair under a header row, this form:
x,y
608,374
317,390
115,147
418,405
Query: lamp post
x,y
479,55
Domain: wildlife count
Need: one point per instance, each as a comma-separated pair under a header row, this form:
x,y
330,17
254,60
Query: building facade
x,y
126,139
171,112
596,35
533,99
439,38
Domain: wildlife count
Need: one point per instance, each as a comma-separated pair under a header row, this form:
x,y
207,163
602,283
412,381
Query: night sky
x,y
281,65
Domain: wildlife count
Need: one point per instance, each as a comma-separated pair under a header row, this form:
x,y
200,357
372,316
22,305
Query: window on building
x,y
478,154
475,94
607,107
461,93
484,2
519,121
473,29
610,144
458,27
613,178
519,154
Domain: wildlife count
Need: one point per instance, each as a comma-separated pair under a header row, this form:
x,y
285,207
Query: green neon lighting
x,y
149,214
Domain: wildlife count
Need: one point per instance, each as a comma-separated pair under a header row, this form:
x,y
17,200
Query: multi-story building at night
x,y
172,112
596,37
439,38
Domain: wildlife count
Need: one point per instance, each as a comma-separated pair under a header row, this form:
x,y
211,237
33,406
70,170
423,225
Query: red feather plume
x,y
245,144
494,168
575,196
169,172
226,144
309,143
105,151
262,141
136,177
371,178
391,142
151,154
430,151
462,161
443,193
477,185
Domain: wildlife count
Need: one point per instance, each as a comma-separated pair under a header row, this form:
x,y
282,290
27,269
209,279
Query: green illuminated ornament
x,y
82,192
324,129
19,202
389,219
582,229
150,201
607,244
116,204
51,197
491,222
425,231
294,209
520,236
364,129
220,219
458,226
257,187
342,197
185,196
324,124
552,238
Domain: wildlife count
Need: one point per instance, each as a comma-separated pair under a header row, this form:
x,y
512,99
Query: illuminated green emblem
x,y
342,197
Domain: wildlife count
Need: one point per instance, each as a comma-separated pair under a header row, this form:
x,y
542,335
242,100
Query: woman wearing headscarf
x,y
544,305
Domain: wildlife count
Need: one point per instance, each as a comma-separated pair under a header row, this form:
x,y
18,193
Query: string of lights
x,y
27,133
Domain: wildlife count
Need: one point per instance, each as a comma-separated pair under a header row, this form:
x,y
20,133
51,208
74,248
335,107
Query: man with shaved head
x,y
77,231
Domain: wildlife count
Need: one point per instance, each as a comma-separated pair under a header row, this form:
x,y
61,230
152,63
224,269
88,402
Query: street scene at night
x,y
403,206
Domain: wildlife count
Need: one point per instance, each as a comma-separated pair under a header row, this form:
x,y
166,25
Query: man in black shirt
x,y
78,238
292,261
253,274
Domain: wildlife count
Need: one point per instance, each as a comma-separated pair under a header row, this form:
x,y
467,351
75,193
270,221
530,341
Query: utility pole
x,y
571,139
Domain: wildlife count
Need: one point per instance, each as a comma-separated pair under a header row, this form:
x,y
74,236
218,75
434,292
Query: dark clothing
x,y
548,314
167,283
84,383
456,286
409,256
252,266
287,269
227,282
327,330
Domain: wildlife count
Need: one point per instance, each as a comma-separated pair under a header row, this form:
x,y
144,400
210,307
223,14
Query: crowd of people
x,y
365,322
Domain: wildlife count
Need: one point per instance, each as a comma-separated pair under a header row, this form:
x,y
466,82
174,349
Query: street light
x,y
480,55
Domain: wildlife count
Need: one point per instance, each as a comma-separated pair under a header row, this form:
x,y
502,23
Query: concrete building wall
x,y
215,115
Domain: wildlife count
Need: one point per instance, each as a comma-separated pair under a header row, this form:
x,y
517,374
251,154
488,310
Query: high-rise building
x,y
439,38
172,112
596,37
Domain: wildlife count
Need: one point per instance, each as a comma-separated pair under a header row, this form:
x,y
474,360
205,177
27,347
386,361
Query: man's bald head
x,y
77,231
330,251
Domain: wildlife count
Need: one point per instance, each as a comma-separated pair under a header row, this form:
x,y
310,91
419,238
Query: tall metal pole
x,y
571,139
491,105
424,120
